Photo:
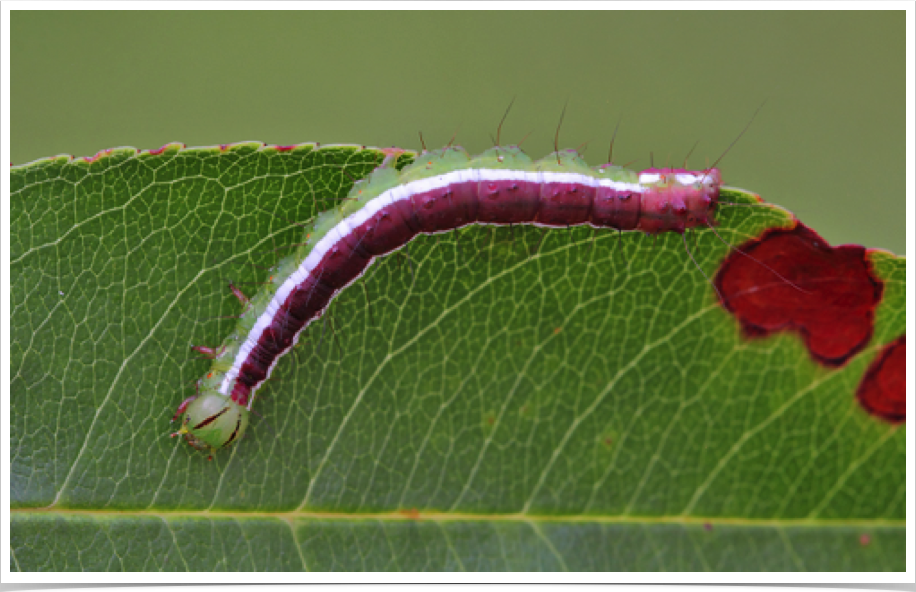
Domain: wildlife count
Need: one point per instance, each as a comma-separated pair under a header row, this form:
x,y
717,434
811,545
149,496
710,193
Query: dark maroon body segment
x,y
343,263
387,230
615,209
307,302
832,304
507,202
444,209
565,204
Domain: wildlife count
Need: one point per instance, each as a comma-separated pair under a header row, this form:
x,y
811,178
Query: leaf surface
x,y
490,398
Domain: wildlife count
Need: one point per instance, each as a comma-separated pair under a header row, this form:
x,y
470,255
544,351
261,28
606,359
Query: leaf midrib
x,y
408,515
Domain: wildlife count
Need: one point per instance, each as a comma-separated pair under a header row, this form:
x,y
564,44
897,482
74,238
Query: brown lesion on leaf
x,y
882,391
793,280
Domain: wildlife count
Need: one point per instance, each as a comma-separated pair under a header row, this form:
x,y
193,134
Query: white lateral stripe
x,y
398,193
682,178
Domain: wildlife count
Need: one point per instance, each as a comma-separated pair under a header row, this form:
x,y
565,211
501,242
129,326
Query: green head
x,y
213,421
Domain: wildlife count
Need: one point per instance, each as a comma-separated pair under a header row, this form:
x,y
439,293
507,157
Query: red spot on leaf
x,y
285,148
864,540
831,304
412,513
882,391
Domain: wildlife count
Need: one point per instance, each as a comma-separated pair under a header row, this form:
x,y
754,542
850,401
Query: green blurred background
x,y
828,145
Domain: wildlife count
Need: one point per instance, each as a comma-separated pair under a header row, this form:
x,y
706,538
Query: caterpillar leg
x,y
208,352
239,294
182,408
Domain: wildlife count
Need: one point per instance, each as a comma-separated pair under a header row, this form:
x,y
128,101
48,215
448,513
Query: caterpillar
x,y
440,191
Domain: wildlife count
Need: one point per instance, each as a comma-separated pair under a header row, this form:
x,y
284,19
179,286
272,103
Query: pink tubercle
x,y
98,155
670,171
164,147
393,151
286,148
238,145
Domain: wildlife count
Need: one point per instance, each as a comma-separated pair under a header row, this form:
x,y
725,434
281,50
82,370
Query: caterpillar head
x,y
212,421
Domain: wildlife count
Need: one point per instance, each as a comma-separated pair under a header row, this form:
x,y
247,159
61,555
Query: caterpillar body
x,y
441,190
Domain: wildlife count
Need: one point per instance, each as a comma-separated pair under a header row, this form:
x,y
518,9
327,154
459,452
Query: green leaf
x,y
500,399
